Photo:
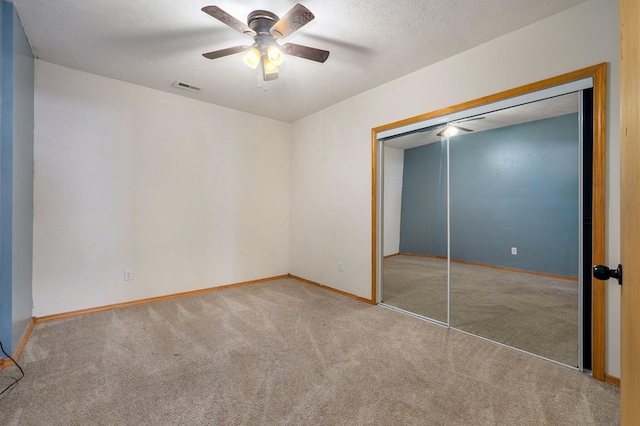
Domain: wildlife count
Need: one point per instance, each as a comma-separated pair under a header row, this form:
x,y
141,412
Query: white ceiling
x,y
155,42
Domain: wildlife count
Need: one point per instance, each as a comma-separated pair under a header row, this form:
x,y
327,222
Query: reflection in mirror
x,y
513,204
515,224
414,269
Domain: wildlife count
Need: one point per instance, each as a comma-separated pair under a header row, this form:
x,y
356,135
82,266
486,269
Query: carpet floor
x,y
534,313
285,353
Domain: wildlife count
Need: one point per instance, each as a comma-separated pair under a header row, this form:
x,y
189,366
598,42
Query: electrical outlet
x,y
128,275
340,266
514,251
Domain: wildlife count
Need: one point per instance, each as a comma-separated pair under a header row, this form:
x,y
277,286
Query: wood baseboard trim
x,y
428,256
25,337
6,362
502,268
151,299
343,293
612,380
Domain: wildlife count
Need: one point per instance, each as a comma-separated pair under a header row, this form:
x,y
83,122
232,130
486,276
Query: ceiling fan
x,y
266,28
451,129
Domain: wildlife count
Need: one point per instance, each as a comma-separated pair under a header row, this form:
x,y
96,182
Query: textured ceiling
x,y
155,42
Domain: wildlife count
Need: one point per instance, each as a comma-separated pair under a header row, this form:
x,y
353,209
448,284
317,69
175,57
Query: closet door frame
x,y
598,73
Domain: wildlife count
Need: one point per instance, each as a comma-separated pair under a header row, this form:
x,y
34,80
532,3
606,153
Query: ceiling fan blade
x,y
441,132
229,20
225,52
305,52
295,19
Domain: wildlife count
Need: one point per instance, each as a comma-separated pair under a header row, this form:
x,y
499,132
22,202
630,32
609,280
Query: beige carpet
x,y
534,313
286,353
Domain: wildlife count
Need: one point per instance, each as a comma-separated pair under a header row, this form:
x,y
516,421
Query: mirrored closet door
x,y
415,263
483,223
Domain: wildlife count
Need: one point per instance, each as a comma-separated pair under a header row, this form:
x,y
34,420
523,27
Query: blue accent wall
x,y
6,118
517,186
16,179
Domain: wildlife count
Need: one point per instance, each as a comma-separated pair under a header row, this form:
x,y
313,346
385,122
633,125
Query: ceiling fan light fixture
x,y
269,70
252,58
450,131
274,54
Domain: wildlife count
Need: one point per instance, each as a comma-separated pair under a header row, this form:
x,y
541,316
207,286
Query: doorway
x,y
536,200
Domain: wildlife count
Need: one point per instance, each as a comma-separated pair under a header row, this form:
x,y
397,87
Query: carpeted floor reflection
x,y
530,312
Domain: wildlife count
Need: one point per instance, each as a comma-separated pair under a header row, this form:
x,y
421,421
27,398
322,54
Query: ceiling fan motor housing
x,y
261,21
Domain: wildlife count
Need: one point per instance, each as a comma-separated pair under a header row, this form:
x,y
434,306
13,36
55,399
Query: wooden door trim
x,y
599,74
629,209
599,212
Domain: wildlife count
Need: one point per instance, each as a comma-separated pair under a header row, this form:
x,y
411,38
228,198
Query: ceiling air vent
x,y
181,85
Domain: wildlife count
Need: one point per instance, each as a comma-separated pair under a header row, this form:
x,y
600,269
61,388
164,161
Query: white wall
x,y
331,150
393,169
186,194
